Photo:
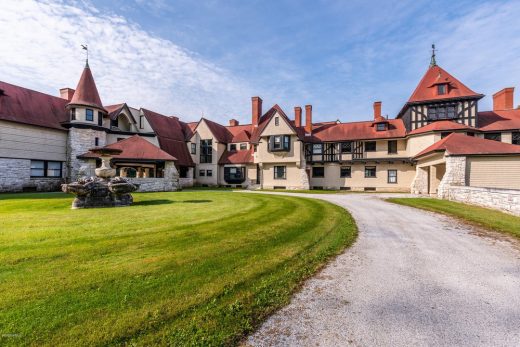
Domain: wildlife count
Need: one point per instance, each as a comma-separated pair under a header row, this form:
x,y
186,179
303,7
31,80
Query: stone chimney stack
x,y
308,119
504,99
377,110
257,110
298,116
66,93
233,123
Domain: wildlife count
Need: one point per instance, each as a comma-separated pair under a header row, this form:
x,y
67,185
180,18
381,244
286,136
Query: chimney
x,y
377,110
66,93
298,116
233,123
257,110
308,119
503,100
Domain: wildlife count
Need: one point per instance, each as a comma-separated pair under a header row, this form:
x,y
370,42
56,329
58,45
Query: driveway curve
x,y
413,278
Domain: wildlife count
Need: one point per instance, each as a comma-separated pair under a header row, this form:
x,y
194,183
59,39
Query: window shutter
x,y
271,143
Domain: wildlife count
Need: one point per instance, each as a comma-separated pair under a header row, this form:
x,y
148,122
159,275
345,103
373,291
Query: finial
x,y
433,62
85,47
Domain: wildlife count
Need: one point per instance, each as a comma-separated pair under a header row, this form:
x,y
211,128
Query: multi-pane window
x,y
392,176
441,89
280,143
381,126
370,146
345,171
100,119
280,172
318,171
206,151
234,174
114,122
441,112
493,136
346,147
317,148
202,173
209,173
392,147
232,147
370,171
42,168
243,146
89,115
516,138
193,148
73,114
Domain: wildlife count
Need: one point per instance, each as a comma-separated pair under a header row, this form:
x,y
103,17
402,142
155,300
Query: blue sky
x,y
193,58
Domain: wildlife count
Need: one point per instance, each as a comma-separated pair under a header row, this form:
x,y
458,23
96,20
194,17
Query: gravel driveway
x,y
413,278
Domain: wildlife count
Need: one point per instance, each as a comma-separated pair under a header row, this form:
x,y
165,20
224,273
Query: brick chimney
x,y
233,123
377,110
308,119
298,116
504,99
257,110
66,93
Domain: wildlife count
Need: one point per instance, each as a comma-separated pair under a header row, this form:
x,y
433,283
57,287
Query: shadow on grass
x,y
153,202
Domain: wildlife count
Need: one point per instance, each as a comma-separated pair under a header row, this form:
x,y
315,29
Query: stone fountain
x,y
104,190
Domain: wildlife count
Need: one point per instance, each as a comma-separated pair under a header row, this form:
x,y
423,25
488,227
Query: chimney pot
x,y
504,99
308,119
66,93
377,110
298,116
233,123
257,110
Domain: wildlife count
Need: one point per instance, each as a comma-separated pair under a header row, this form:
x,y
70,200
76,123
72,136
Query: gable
x,y
283,127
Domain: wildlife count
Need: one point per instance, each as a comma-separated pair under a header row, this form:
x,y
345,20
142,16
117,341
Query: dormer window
x,y
381,126
232,147
89,115
276,121
442,89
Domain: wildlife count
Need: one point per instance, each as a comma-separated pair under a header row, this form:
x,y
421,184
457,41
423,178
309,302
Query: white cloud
x,y
41,50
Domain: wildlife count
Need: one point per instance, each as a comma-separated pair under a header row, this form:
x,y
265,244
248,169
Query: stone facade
x,y
420,182
506,200
79,142
455,175
169,183
15,176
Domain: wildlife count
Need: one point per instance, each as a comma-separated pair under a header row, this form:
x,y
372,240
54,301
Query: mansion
x,y
440,138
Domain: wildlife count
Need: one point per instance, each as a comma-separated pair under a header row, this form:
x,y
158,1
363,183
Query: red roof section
x,y
499,120
135,148
22,105
244,156
240,133
460,144
171,135
358,131
426,89
86,92
442,125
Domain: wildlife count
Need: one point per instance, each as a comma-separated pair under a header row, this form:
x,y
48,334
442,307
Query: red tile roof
x,y
426,89
113,110
171,135
22,105
244,156
86,92
219,131
499,120
240,133
358,131
134,148
459,144
442,125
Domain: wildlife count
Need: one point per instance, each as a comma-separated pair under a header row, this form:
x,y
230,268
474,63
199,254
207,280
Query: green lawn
x,y
183,268
484,217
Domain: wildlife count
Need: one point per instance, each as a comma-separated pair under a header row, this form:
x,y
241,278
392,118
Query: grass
x,y
480,216
183,268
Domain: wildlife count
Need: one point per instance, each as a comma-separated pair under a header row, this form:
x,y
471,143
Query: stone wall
x,y
506,200
455,175
15,176
420,181
79,142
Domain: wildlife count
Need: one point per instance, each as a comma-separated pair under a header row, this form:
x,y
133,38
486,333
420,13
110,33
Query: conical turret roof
x,y
86,93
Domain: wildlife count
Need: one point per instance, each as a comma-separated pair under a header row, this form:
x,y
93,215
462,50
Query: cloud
x,y
41,50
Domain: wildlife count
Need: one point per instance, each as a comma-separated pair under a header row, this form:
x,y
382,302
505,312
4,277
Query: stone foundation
x,y
15,176
455,175
506,200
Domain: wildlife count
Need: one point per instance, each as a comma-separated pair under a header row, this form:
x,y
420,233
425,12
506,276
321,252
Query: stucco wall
x,y
296,178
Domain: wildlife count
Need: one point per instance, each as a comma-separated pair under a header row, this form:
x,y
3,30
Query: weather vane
x,y
433,62
85,47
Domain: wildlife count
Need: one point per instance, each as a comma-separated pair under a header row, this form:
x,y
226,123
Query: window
x,y
232,147
441,112
493,136
255,147
73,114
392,176
96,141
209,173
120,139
89,115
280,172
183,172
370,146
193,148
114,122
515,138
317,148
441,89
141,122
345,171
234,174
206,151
392,147
280,143
202,173
318,171
41,168
100,119
370,171
346,147
381,126
445,134
276,121
243,146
